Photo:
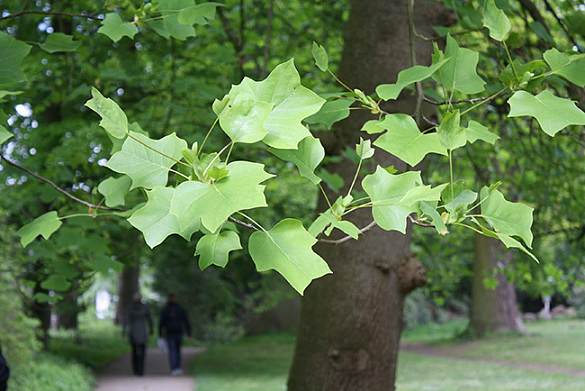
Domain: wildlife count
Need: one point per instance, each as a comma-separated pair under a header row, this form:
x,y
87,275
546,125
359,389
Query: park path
x,y
117,376
433,351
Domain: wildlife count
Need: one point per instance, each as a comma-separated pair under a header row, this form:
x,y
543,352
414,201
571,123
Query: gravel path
x,y
118,375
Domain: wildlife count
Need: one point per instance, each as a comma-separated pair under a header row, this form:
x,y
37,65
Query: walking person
x,y
173,323
137,320
4,372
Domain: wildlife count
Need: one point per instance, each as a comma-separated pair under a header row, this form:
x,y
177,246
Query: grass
x,y
251,364
261,363
101,343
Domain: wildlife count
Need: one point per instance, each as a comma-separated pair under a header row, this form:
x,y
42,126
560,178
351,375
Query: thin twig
x,y
15,165
88,16
473,100
419,223
345,239
233,220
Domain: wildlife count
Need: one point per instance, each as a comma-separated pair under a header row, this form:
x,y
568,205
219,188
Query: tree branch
x,y
419,223
233,220
41,178
88,16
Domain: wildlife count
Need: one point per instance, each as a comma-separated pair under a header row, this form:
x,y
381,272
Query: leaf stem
x,y
484,101
357,172
339,81
511,62
207,136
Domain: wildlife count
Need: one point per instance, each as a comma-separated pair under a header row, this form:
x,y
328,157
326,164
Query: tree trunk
x,y
493,310
351,320
128,285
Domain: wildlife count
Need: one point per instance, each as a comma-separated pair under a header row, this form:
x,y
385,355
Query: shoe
x,y
177,372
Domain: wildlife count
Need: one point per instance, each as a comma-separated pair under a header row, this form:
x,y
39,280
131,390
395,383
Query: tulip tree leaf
x,y
460,72
44,225
291,103
4,134
214,203
568,65
161,217
508,218
476,131
307,157
320,55
59,42
405,141
243,119
171,12
114,120
115,190
56,282
428,209
552,113
326,222
11,55
451,134
386,191
114,28
364,149
198,14
407,77
496,21
287,248
214,249
139,161
331,112
510,242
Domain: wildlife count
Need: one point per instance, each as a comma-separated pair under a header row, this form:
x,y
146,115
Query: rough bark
x,y
493,310
128,285
351,320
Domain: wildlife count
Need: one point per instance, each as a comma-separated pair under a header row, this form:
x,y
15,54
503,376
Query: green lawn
x,y
261,363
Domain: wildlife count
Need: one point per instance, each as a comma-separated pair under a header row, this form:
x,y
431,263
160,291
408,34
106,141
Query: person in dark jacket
x,y
173,323
137,319
4,372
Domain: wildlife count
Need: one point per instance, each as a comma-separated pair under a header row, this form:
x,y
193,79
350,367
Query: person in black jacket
x,y
137,319
173,323
4,372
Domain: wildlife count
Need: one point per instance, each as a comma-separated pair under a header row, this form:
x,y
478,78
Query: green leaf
x,y
571,66
59,42
386,191
331,112
307,157
476,131
456,196
4,134
198,14
451,134
114,28
214,249
287,248
430,210
407,77
291,103
551,112
364,149
56,282
44,225
162,216
422,193
139,161
115,190
496,21
460,72
170,11
114,121
41,297
334,181
404,140
214,203
243,119
103,264
11,55
320,55
510,242
506,217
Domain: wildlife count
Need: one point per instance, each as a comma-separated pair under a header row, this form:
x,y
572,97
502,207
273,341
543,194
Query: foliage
x,y
101,343
51,373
